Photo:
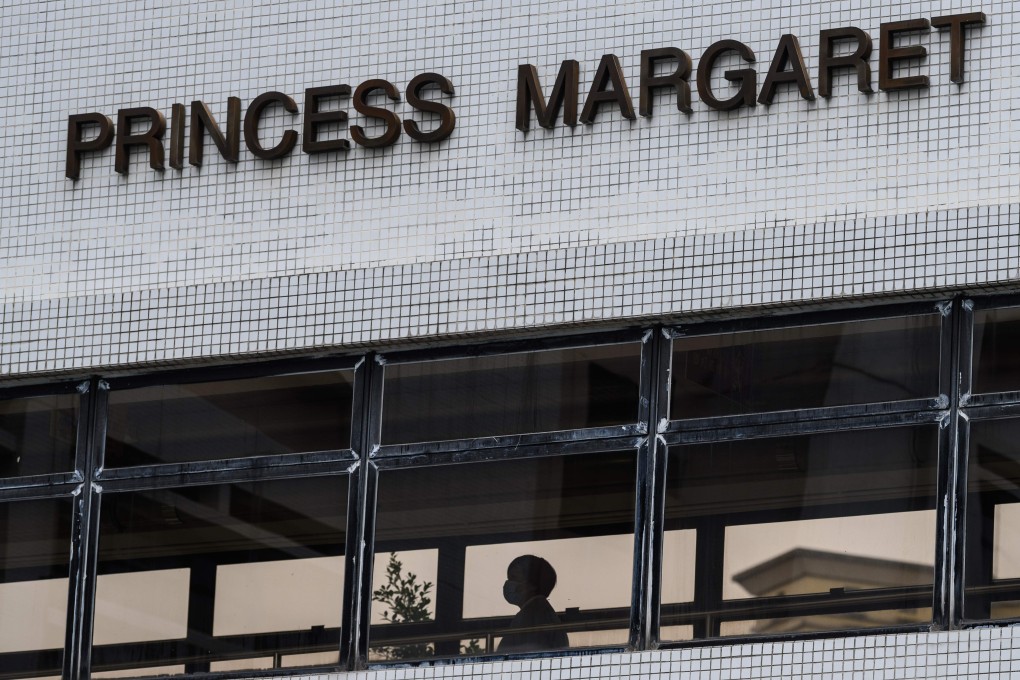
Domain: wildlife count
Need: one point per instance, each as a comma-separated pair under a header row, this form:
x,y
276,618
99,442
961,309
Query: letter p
x,y
76,147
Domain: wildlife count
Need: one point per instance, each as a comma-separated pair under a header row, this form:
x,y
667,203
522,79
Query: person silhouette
x,y
529,581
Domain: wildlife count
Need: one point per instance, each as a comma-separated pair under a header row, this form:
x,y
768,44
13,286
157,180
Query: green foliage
x,y
407,601
472,648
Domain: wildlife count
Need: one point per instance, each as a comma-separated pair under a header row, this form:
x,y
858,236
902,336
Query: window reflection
x,y
220,573
805,367
511,394
532,555
815,517
229,419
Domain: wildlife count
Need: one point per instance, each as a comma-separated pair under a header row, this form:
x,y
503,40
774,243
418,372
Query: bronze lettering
x,y
314,117
251,126
746,78
787,54
888,55
202,121
177,113
955,23
609,71
76,147
447,119
151,138
563,95
392,132
678,80
858,61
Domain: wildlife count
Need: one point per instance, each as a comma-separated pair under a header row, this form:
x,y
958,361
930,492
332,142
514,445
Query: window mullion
x,y
956,547
365,435
82,582
656,355
945,610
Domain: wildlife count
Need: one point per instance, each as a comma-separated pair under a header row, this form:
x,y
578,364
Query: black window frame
x,y
650,436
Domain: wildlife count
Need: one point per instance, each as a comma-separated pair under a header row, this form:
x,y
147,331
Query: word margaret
x,y
787,67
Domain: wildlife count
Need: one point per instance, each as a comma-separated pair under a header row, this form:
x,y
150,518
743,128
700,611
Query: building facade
x,y
531,339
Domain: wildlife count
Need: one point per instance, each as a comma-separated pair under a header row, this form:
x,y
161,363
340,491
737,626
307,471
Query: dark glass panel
x,y
511,394
37,435
230,419
222,573
993,521
805,367
810,518
449,535
996,359
35,542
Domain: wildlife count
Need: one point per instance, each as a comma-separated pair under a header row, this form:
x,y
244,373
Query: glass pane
x,y
140,672
510,556
37,435
813,624
993,521
35,543
230,574
996,361
511,394
810,519
310,659
805,367
230,419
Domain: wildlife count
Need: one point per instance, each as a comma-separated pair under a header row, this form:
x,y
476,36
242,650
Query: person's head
x,y
526,577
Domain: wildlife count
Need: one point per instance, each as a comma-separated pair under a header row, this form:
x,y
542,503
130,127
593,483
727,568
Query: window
x,y
833,364
37,435
992,499
828,531
230,574
181,422
33,585
516,521
613,491
222,523
566,521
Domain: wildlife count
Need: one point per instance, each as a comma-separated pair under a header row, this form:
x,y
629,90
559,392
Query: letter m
x,y
564,94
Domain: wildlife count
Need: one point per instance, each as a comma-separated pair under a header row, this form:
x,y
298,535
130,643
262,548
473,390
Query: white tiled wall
x,y
988,654
491,230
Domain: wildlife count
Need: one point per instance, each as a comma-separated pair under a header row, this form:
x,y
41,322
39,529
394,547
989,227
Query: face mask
x,y
512,592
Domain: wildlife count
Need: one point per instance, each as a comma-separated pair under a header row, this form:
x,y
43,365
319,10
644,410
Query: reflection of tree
x,y
407,601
